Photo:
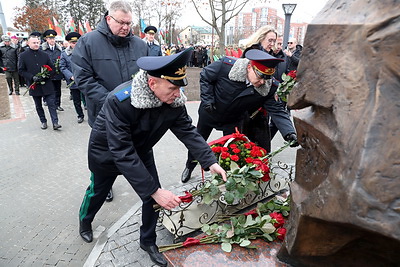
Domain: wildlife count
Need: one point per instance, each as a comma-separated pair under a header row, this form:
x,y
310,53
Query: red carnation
x,y
266,177
216,149
253,213
190,241
279,219
249,160
236,150
187,198
234,157
48,67
292,74
225,155
281,233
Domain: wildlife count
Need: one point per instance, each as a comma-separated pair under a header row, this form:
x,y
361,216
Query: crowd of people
x,y
132,89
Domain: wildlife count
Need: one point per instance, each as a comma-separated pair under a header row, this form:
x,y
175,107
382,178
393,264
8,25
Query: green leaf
x,y
242,219
270,206
207,199
214,226
268,228
251,187
268,237
205,227
227,247
214,190
249,221
234,166
229,197
230,184
230,233
245,243
214,182
242,190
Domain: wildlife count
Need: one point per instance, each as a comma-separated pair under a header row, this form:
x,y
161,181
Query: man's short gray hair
x,y
120,6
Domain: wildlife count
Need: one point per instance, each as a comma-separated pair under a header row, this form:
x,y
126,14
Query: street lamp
x,y
288,9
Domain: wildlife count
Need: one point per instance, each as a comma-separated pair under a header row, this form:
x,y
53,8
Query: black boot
x,y
85,230
157,257
187,172
110,196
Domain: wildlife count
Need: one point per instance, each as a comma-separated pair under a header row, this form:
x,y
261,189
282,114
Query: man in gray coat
x,y
106,57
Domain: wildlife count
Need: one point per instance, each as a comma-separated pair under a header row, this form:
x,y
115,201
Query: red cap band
x,y
262,68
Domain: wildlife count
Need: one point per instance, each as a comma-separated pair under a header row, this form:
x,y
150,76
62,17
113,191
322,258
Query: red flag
x,y
58,29
51,26
71,25
228,52
81,31
87,26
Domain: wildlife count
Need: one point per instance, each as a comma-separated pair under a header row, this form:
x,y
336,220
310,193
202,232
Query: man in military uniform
x,y
66,69
9,59
230,90
54,50
133,119
154,46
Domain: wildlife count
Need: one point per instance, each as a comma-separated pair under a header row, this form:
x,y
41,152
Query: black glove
x,y
37,79
292,137
210,108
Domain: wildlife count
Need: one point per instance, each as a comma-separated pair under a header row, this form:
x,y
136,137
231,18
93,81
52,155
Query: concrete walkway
x,y
43,179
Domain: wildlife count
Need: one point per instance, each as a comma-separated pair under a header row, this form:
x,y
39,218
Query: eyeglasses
x,y
271,41
290,42
129,24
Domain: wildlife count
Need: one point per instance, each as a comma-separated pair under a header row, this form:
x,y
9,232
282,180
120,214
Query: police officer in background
x,y
133,119
54,50
9,59
152,43
66,69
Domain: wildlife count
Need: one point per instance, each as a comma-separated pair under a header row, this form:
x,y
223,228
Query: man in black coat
x,y
293,53
133,119
54,50
230,90
106,57
31,65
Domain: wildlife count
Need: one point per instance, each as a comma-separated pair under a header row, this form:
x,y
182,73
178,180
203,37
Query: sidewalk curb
x,y
16,109
103,238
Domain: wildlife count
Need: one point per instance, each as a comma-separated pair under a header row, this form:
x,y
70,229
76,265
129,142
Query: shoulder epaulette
x,y
229,60
123,94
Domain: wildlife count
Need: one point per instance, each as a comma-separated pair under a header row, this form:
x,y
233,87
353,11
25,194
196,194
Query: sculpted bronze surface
x,y
346,194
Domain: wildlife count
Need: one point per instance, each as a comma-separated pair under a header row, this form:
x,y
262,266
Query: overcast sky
x,y
305,10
